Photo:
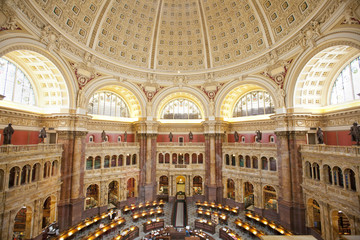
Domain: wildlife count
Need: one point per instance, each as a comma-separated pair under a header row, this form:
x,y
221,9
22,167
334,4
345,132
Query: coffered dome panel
x,y
172,35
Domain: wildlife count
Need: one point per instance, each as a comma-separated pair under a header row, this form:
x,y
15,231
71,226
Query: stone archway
x,y
22,223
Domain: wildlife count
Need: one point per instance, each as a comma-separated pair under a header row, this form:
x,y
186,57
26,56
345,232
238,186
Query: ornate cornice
x,y
193,77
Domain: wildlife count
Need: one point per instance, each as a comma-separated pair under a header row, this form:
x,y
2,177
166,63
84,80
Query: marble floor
x,y
192,215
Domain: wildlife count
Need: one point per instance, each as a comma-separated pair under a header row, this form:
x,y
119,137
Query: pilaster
x,y
71,204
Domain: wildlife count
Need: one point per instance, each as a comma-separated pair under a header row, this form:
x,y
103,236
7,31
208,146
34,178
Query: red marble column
x,y
142,165
71,204
291,205
218,152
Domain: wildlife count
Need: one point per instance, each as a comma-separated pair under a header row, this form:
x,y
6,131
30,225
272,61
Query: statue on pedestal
x,y
190,136
8,132
258,135
103,136
355,133
320,136
170,136
236,136
42,135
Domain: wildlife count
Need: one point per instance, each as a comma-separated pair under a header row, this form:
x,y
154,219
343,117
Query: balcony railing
x,y
112,145
352,151
20,149
189,144
250,145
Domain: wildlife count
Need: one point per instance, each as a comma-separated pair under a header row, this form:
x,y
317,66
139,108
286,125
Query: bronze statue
x,y
42,135
258,135
103,136
355,133
125,136
190,135
236,136
170,136
320,136
8,132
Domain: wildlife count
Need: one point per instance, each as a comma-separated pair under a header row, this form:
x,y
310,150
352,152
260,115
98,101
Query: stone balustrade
x,y
181,144
353,151
30,149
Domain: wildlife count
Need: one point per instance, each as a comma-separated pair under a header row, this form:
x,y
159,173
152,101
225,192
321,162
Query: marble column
x,y
142,165
71,204
291,205
150,171
218,166
210,161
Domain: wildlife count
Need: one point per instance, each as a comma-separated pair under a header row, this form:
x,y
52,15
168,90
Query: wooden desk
x,y
150,225
205,225
228,234
128,234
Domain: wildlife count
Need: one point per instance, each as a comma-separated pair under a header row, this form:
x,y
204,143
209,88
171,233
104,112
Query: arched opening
x,y
22,224
92,196
167,157
270,198
194,158
187,158
272,164
316,171
48,212
47,168
35,175
338,177
107,161
180,184
120,160
25,174
230,189
89,163
327,174
174,158
264,163
248,162
181,108
314,216
161,158
254,103
180,158
350,182
133,159
197,185
241,161
308,172
128,157
54,168
164,185
113,160
200,158
14,177
255,162
97,162
340,224
131,184
248,196
233,161
227,159
113,193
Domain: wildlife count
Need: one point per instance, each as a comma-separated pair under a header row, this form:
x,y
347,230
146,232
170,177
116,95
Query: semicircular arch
x,y
231,93
62,66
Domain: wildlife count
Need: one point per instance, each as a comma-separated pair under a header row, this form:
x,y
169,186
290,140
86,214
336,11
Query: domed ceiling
x,y
173,35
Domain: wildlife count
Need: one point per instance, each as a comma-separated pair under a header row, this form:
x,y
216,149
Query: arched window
x,y
264,163
14,177
197,185
47,170
200,158
161,158
133,159
255,162
233,162
14,84
128,157
91,139
338,177
194,158
167,157
89,163
347,85
350,182
113,160
97,162
272,164
308,172
25,174
254,103
109,104
54,168
247,162
35,176
270,198
107,161
241,161
227,159
316,171
327,174
181,109
120,160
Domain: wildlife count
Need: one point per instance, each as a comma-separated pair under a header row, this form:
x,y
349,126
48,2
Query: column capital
x,y
215,126
66,122
294,122
147,126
